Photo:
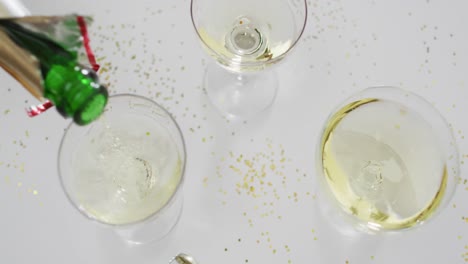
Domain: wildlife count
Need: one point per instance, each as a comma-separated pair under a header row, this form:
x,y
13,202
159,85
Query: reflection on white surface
x,y
12,8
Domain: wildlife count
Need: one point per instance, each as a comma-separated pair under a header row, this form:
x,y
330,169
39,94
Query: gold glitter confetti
x,y
465,255
263,176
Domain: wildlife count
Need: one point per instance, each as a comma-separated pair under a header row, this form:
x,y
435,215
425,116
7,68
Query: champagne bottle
x,y
48,69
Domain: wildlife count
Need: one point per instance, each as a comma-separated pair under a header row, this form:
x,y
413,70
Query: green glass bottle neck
x,y
73,89
75,92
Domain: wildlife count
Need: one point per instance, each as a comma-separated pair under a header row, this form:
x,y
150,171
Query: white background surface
x,y
418,45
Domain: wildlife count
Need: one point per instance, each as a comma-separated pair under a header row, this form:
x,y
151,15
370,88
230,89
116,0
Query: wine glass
x,y
125,170
387,160
245,37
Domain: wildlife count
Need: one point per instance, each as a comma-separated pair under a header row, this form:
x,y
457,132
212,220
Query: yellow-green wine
x,y
126,170
383,163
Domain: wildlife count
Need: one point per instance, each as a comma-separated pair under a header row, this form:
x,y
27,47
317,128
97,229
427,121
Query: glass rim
x,y
254,64
156,212
382,92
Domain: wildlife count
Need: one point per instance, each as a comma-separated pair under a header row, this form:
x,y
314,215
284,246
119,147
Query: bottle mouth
x,y
93,108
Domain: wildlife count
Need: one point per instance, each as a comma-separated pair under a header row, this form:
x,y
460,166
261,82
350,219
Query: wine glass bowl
x,y
126,169
248,35
387,160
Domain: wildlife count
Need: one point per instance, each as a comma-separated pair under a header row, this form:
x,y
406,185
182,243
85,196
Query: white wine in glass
x,y
245,37
388,159
125,170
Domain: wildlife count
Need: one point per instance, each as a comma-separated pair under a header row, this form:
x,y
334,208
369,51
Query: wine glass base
x,y
240,95
155,230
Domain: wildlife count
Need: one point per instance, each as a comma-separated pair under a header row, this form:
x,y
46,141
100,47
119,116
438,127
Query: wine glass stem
x,y
240,94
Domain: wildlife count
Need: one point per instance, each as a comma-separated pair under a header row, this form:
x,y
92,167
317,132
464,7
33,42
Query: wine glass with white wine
x,y
387,159
245,37
126,169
